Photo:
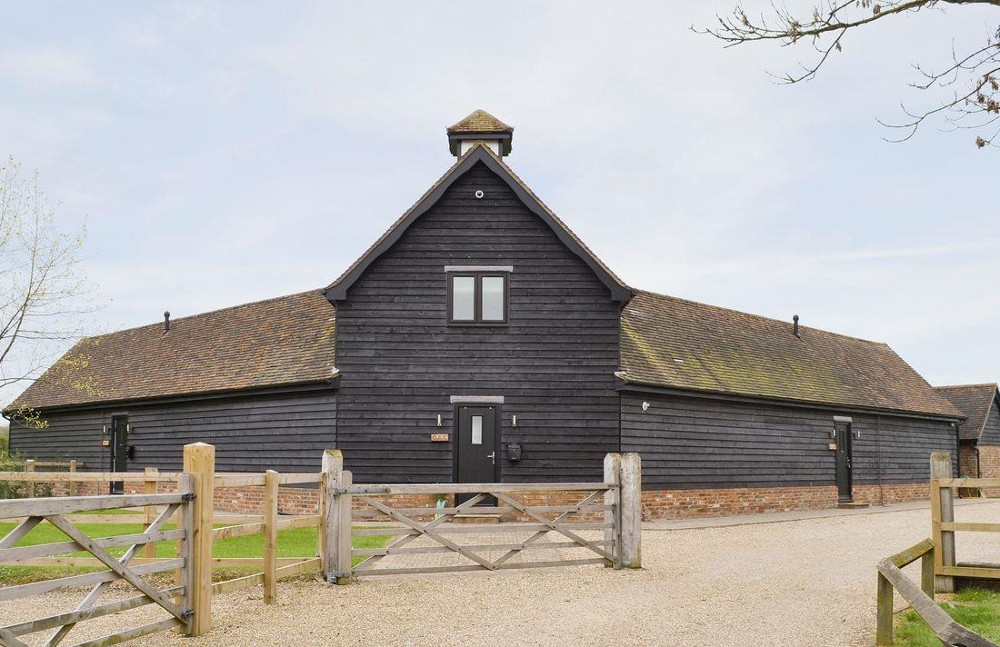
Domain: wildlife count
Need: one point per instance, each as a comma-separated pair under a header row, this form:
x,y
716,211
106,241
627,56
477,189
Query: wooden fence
x,y
615,503
938,564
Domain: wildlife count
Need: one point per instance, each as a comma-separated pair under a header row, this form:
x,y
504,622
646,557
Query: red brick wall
x,y
685,504
716,502
967,461
989,465
656,504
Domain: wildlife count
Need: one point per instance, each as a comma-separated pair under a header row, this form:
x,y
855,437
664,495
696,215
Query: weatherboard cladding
x,y
991,430
976,402
692,443
553,364
287,433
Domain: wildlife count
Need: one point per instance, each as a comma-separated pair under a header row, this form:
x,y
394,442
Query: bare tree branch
x,y
977,70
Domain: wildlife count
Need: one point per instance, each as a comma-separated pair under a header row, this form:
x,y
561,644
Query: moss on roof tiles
x,y
480,121
675,343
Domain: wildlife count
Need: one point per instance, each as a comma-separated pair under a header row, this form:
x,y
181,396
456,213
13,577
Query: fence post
x,y
883,606
199,459
72,484
631,511
336,550
942,511
185,549
612,516
927,574
332,464
29,466
149,550
270,535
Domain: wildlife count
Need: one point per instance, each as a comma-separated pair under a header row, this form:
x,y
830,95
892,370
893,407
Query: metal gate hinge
x,y
331,579
187,614
187,497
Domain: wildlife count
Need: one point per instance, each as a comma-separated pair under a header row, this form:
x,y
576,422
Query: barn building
x,y
480,340
979,434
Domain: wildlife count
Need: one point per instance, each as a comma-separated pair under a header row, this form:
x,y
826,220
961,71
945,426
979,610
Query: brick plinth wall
x,y
892,493
721,502
656,504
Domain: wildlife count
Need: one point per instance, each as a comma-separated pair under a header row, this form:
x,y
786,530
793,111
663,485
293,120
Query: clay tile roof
x,y
282,341
480,121
974,401
681,344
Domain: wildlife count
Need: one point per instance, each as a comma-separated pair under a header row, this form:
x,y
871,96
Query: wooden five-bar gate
x,y
609,512
176,601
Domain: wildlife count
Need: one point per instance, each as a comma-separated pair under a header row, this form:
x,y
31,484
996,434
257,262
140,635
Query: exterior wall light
x,y
645,406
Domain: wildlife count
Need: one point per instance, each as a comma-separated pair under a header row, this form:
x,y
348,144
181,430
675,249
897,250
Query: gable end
x,y
337,291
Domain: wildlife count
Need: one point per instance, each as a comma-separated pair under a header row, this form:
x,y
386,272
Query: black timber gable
x,y
553,364
478,155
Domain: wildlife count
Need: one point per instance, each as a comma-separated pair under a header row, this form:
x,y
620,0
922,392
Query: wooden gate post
x,y
149,550
942,510
336,522
29,466
631,511
270,535
199,460
612,516
72,484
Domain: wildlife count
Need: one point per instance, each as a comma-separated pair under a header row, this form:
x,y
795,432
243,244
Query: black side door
x,y
476,446
119,450
844,476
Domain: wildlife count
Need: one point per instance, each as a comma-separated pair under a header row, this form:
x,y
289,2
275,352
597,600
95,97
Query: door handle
x,y
493,457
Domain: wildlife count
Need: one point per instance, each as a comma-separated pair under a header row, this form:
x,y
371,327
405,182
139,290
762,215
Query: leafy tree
x,y
968,84
43,292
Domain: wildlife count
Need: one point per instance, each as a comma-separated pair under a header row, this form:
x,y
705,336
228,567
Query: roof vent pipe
x,y
166,321
795,326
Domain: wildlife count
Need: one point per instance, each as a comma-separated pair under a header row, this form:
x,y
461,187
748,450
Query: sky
x,y
225,152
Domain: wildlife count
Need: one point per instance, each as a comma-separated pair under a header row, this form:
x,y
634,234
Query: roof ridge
x,y
318,291
968,386
765,317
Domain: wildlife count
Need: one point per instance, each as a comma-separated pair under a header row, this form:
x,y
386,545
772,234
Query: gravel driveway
x,y
808,582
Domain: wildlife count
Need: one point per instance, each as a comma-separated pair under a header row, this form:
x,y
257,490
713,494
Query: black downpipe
x,y
878,455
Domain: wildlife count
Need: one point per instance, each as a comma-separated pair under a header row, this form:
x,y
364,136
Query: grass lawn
x,y
298,542
976,609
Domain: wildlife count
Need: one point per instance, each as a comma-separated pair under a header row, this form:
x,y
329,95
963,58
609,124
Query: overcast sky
x,y
227,152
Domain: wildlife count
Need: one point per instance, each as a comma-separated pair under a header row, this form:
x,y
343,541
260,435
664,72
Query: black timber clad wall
x,y
284,433
991,430
690,443
401,360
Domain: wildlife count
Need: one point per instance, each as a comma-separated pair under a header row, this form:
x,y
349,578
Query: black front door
x,y
844,461
119,450
476,446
